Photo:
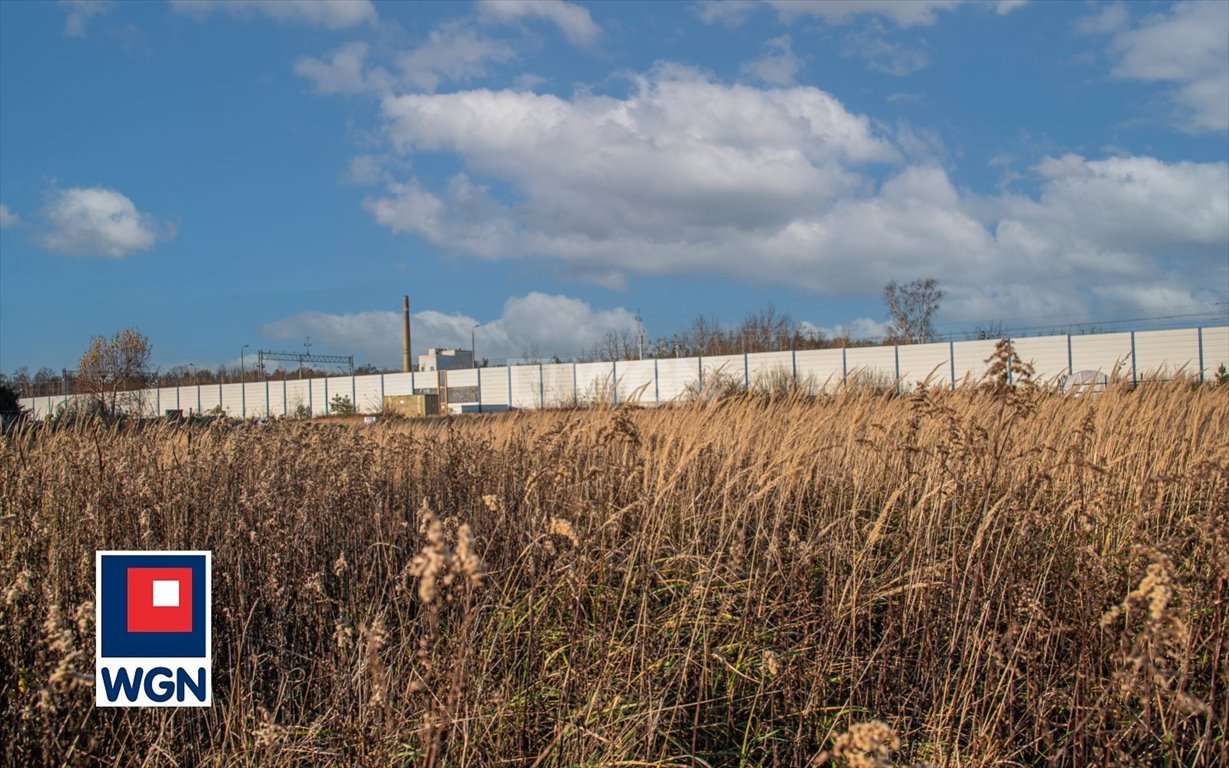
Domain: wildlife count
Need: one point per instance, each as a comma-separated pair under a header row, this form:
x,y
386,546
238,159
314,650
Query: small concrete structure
x,y
412,406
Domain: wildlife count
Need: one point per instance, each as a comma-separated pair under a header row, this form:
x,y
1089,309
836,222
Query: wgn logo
x,y
153,612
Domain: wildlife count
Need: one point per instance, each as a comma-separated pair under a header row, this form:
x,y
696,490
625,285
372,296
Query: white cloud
x,y
79,14
1127,203
99,221
528,81
779,66
861,329
572,20
8,218
328,14
728,13
365,170
1187,48
685,175
882,54
409,208
1004,7
552,324
606,183
342,72
452,52
1109,19
905,14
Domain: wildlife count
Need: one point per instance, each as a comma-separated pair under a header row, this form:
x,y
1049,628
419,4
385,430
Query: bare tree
x,y
614,345
112,370
911,310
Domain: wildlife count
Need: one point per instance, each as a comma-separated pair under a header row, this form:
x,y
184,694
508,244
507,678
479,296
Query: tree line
x,y
113,366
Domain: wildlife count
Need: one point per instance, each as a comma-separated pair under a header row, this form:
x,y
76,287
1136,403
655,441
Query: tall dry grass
x,y
957,578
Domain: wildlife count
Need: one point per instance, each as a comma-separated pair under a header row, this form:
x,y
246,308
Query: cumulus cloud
x,y
328,14
882,54
779,66
683,162
861,329
1187,48
573,21
904,14
8,218
79,13
341,72
98,221
453,52
728,13
685,175
551,324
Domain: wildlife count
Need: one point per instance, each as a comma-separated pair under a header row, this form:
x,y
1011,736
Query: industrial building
x,y
446,359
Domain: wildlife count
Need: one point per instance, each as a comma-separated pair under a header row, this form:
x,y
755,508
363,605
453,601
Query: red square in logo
x,y
159,599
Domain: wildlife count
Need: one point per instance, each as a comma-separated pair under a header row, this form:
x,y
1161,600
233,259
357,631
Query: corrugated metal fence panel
x,y
636,382
872,365
166,399
820,369
558,385
210,397
339,385
726,368
398,384
464,377
1047,355
424,380
594,382
768,369
673,377
1215,350
189,399
971,360
1166,354
926,362
318,397
231,396
367,394
255,394
494,386
149,402
1108,353
526,387
1163,352
296,396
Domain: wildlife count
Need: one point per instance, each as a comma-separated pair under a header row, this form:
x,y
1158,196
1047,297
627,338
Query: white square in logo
x,y
166,594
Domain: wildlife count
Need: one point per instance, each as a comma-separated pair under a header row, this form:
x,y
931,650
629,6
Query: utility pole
x,y
473,349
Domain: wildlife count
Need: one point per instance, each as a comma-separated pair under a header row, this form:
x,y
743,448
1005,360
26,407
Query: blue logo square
x,y
116,641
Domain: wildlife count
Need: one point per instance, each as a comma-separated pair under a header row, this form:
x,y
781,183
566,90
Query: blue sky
x,y
226,173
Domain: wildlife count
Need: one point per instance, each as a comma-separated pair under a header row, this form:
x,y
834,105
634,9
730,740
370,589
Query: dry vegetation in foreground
x,y
958,578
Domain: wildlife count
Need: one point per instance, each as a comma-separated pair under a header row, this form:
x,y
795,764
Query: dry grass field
x,y
964,578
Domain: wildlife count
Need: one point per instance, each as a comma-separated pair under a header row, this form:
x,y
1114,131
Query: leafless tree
x,y
911,310
112,371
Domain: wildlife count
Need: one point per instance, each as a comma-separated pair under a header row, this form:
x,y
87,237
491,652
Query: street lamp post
x,y
243,390
473,350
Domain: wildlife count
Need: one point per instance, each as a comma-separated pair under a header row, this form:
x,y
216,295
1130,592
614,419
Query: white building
x,y
445,359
